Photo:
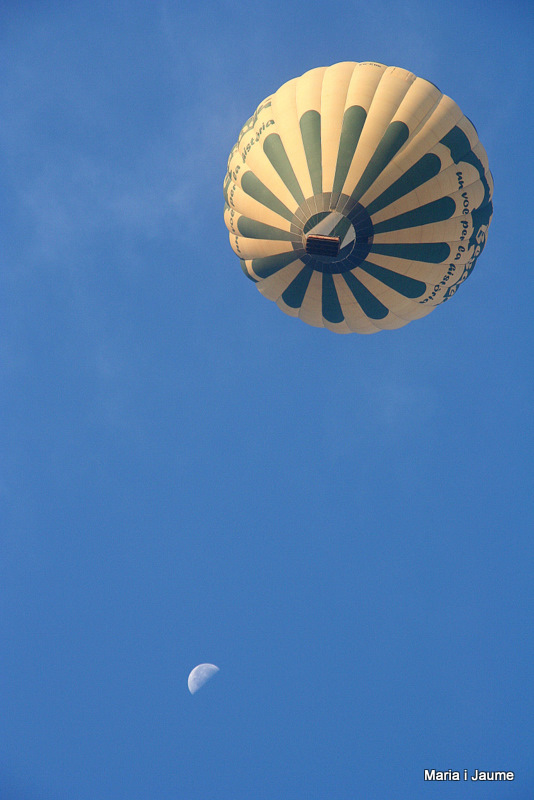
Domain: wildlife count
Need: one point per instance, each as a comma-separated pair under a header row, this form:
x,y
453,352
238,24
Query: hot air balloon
x,y
358,197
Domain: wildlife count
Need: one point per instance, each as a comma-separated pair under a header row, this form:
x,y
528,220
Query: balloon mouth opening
x,y
332,234
317,245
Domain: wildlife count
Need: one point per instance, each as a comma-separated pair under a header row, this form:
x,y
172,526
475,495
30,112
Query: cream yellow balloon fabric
x,y
358,197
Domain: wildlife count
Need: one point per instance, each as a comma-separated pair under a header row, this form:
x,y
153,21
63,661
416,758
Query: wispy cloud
x,y
70,181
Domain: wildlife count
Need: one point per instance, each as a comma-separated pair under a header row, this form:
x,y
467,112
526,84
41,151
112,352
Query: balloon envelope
x,y
358,197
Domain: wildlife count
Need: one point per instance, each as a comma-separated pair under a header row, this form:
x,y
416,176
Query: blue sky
x,y
343,524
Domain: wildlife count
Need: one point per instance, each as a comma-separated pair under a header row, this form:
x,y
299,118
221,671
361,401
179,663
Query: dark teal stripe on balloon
x,y
429,252
436,211
267,266
369,304
258,191
294,294
310,128
404,285
422,171
390,144
331,307
458,143
252,229
245,270
353,121
275,152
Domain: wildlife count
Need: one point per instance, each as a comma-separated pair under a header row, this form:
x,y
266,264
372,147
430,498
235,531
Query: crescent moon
x,y
200,675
